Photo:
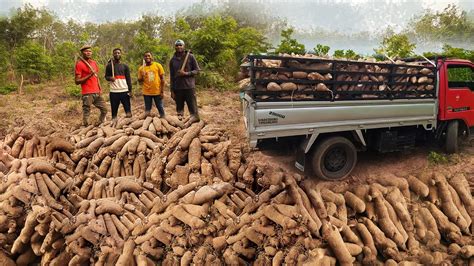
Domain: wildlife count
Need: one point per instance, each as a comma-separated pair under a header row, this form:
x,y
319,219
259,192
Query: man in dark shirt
x,y
120,84
183,69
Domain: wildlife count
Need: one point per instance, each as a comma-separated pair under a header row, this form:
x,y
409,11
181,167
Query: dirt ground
x,y
48,107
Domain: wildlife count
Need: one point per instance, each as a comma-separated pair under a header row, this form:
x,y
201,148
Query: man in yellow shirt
x,y
151,77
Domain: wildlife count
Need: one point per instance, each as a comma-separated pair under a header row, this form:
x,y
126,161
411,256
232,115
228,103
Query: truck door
x,y
460,93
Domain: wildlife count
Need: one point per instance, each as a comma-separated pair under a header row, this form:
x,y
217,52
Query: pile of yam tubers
x,y
156,190
308,76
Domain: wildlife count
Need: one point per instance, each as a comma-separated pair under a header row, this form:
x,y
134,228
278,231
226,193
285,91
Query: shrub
x,y
437,158
6,89
321,50
73,90
214,80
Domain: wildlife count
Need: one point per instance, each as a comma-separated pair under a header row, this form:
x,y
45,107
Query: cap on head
x,y
85,46
179,42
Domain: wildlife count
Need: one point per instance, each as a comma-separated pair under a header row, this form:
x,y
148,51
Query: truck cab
x,y
456,100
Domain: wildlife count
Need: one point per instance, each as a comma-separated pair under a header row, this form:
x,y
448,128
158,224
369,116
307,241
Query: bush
x,y
73,90
226,62
214,80
321,50
349,54
6,89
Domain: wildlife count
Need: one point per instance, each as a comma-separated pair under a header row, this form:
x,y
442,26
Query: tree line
x,y
38,45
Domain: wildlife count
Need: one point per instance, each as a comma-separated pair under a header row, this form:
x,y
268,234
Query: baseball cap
x,y
85,46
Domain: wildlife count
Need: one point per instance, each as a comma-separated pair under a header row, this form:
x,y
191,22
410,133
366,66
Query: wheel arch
x,y
355,136
463,126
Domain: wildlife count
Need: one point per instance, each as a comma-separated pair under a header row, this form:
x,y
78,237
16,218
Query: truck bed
x,y
362,106
343,80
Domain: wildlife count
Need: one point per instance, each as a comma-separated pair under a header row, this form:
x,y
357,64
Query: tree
x,y
43,31
31,60
173,29
451,24
19,28
222,43
63,59
321,50
216,34
396,45
4,61
117,34
289,45
150,24
142,43
37,44
250,40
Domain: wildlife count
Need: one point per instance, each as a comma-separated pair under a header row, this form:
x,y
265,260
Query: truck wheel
x,y
452,137
334,158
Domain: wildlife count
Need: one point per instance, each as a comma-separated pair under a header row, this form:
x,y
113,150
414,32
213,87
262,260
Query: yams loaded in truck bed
x,y
278,78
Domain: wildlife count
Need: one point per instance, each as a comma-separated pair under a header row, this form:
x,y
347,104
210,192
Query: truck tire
x,y
334,158
452,138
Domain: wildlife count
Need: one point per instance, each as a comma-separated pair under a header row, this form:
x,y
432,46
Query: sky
x,y
302,13
343,16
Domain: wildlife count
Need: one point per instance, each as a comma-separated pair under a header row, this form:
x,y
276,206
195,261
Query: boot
x,y
101,118
192,119
128,115
180,116
113,123
145,115
85,123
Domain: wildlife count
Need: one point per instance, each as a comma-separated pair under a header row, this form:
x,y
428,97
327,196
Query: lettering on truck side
x,y
460,109
267,121
276,114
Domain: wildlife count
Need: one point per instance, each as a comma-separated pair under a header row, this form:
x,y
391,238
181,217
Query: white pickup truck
x,y
339,107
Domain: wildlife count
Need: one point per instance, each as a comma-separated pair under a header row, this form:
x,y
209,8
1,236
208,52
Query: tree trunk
x,y
20,90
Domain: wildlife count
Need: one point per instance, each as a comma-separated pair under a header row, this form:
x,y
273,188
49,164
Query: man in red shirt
x,y
87,75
